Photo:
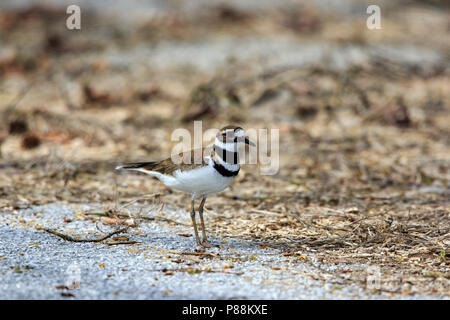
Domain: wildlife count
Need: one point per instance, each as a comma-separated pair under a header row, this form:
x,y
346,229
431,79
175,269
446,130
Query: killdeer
x,y
212,175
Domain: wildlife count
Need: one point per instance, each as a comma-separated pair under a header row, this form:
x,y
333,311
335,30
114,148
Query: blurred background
x,y
351,103
363,114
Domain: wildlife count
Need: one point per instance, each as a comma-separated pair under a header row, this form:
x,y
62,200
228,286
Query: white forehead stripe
x,y
239,133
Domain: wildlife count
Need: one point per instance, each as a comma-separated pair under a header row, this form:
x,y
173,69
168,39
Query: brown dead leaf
x,y
185,235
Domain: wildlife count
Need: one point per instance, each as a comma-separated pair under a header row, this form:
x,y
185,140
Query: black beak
x,y
247,141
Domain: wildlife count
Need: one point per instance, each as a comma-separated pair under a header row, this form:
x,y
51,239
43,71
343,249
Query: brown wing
x,y
168,166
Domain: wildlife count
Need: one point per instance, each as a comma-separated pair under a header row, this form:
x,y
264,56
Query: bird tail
x,y
136,165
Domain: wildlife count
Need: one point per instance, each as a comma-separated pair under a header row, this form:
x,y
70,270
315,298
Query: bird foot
x,y
206,244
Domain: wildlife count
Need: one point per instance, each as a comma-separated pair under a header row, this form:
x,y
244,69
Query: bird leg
x,y
205,242
197,239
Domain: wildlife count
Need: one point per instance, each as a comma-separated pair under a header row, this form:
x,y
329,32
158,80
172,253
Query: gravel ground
x,y
38,265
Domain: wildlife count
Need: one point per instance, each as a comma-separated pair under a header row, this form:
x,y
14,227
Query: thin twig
x,y
192,270
93,213
203,254
69,238
153,195
122,242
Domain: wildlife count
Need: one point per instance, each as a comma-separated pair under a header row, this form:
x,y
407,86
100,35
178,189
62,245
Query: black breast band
x,y
224,171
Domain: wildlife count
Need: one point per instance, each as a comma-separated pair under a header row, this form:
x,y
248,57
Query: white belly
x,y
200,181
